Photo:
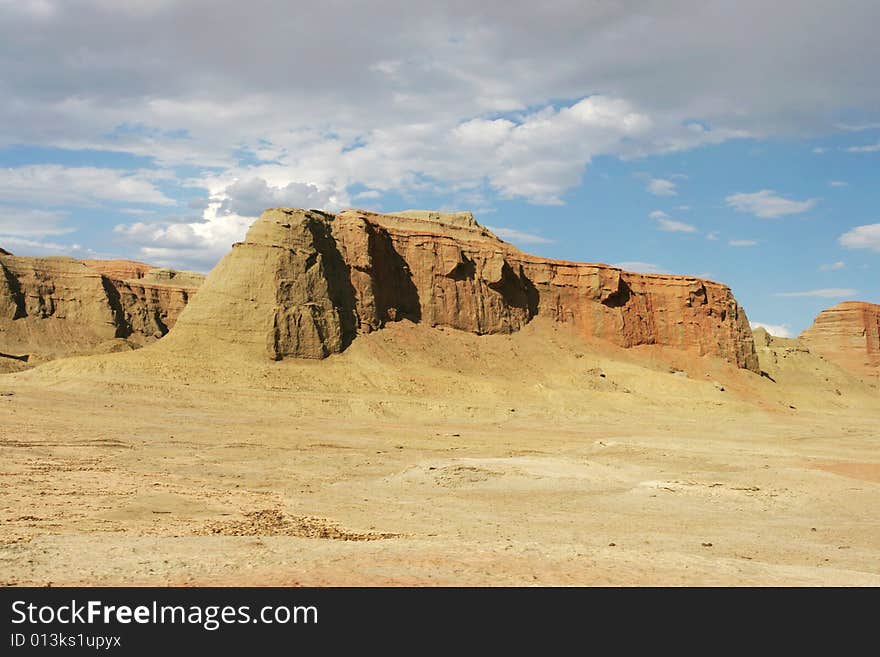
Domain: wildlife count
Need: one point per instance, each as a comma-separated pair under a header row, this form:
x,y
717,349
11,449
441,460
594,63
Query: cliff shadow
x,y
395,294
114,300
338,276
620,297
15,292
464,270
517,290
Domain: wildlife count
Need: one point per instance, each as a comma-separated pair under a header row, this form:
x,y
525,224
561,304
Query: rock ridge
x,y
305,283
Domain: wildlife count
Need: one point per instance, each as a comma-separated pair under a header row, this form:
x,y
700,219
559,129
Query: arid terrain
x,y
422,453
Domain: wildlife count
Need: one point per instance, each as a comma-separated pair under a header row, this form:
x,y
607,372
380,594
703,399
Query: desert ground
x,y
435,457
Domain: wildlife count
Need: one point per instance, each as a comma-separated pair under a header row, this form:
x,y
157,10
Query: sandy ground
x,y
436,458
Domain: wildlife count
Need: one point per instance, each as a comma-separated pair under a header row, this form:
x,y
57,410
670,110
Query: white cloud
x,y
537,155
670,225
868,148
819,150
662,187
518,236
192,245
55,185
834,266
838,183
823,293
712,235
780,330
640,267
742,242
368,195
862,237
483,133
24,246
30,222
248,198
430,61
767,204
87,68
198,244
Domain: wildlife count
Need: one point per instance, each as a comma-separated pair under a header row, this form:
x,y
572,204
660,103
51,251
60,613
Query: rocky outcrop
x,y
305,283
52,307
848,334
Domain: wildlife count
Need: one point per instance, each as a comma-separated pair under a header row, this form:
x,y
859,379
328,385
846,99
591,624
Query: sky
x,y
737,141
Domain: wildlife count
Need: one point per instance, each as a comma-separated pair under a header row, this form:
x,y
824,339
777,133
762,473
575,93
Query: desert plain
x,y
438,467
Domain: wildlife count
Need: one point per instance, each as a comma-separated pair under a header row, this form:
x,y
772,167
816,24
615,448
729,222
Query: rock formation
x,y
305,283
52,307
848,334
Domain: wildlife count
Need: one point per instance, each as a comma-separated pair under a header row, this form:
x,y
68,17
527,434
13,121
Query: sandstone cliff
x,y
848,334
52,307
305,283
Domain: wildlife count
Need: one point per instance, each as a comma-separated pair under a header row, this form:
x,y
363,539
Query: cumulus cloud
x,y
500,57
767,204
838,183
822,293
779,330
862,237
739,243
662,187
248,198
194,245
833,266
55,185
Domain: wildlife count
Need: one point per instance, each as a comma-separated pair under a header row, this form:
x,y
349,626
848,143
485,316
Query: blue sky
x,y
732,141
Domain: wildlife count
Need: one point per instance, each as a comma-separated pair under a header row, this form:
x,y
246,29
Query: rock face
x,y
52,307
305,283
848,334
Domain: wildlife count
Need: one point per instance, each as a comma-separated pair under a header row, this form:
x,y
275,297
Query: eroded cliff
x,y
848,334
53,307
305,283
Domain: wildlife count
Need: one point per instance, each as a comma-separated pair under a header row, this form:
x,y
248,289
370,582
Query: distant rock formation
x,y
305,283
848,334
53,307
